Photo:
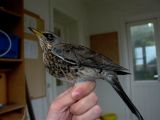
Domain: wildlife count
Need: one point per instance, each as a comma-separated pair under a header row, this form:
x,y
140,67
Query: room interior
x,y
83,22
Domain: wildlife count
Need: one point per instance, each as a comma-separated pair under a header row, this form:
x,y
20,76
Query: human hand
x,y
76,103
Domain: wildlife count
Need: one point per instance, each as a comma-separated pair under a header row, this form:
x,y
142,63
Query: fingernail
x,y
76,95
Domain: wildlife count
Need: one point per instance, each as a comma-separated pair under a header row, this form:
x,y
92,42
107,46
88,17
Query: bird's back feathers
x,y
84,56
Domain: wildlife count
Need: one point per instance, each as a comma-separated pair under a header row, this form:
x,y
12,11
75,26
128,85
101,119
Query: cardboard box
x,y
3,89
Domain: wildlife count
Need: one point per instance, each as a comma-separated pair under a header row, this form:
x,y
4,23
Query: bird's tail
x,y
117,86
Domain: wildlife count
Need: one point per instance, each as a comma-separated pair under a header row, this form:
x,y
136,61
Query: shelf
x,y
13,116
11,21
9,64
5,11
5,70
10,60
10,108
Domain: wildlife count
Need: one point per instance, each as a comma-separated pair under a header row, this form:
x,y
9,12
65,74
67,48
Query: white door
x,y
144,56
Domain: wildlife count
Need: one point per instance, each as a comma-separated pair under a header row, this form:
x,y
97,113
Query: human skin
x,y
76,103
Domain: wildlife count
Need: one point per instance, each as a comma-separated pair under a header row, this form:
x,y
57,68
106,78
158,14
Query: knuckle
x,y
55,106
76,110
94,97
97,110
73,110
84,105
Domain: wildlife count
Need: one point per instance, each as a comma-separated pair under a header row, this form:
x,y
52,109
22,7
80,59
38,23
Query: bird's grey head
x,y
47,39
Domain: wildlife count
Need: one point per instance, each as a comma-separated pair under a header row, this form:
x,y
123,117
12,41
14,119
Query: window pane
x,y
139,56
144,51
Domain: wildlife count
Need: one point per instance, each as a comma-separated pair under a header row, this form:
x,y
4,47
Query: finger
x,y
84,104
71,95
92,114
64,93
82,89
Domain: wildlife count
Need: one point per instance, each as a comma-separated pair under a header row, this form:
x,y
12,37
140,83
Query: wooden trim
x,y
31,14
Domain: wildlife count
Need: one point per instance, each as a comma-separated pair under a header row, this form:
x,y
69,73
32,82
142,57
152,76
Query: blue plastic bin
x,y
4,45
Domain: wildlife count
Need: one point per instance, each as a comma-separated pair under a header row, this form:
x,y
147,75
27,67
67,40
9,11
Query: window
x,y
142,37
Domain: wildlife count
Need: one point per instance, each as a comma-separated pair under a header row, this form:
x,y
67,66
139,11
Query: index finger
x,y
73,94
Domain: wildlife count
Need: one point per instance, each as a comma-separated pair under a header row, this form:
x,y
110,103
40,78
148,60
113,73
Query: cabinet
x,y
11,21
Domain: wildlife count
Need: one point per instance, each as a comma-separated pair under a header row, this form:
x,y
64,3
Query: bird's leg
x,y
113,80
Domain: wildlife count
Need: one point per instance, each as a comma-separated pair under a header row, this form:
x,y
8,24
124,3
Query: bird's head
x,y
47,39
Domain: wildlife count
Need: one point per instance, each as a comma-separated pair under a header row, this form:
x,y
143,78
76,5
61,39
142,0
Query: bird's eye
x,y
49,37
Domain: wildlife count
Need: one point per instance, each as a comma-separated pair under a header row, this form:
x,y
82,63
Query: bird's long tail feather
x,y
117,86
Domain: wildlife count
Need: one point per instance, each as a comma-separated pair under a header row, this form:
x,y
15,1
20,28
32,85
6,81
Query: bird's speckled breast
x,y
56,66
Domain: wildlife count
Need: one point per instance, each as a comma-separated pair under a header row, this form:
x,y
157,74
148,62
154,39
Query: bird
x,y
77,63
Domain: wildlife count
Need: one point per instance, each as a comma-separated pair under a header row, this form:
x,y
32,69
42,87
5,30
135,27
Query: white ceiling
x,y
89,2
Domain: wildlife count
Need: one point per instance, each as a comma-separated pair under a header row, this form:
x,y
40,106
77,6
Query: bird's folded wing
x,y
84,56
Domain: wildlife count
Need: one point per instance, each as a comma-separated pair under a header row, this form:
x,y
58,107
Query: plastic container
x,y
9,45
109,116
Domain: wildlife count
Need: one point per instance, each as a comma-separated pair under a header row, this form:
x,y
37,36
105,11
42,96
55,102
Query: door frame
x,y
153,20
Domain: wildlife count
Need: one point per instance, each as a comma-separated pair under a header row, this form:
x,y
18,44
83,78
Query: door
x,y
144,54
106,44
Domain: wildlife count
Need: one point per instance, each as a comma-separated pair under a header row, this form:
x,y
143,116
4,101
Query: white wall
x,y
106,16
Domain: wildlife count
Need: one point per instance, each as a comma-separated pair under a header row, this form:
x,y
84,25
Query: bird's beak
x,y
35,31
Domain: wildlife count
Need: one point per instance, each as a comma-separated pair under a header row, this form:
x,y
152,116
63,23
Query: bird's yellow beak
x,y
35,31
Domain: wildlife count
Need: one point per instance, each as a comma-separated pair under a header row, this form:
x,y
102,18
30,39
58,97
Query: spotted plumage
x,y
77,63
57,67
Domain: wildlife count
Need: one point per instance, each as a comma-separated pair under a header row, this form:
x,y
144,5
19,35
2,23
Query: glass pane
x,y
144,51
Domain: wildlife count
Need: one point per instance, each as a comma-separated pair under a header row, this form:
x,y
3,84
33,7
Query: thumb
x,y
72,95
82,89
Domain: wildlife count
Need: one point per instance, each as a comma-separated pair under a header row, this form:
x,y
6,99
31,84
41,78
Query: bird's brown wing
x,y
84,56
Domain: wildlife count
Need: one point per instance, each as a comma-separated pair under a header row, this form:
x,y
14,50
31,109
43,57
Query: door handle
x,y
157,77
